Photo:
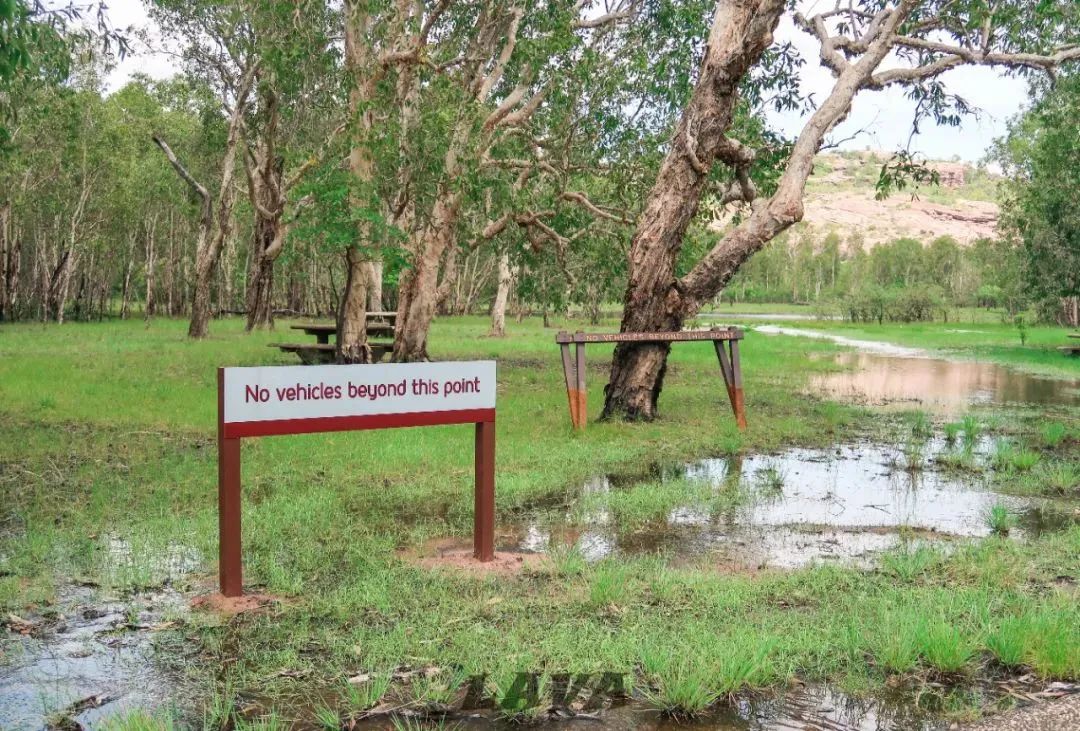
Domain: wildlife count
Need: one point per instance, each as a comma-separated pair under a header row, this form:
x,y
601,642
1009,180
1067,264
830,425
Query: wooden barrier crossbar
x,y
724,340
679,337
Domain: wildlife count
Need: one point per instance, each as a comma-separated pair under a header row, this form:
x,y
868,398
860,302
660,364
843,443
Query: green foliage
x,y
1041,155
902,170
1000,519
1021,329
952,431
921,425
944,646
1054,433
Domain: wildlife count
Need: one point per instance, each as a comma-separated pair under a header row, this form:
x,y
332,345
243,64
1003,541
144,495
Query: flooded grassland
x,y
916,572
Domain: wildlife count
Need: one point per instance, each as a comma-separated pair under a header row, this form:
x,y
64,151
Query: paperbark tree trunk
x,y
448,283
418,294
502,295
9,265
268,241
129,265
260,286
59,285
199,324
375,293
210,243
741,31
352,307
151,262
352,345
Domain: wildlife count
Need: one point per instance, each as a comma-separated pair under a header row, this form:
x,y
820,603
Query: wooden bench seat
x,y
323,353
724,340
1070,349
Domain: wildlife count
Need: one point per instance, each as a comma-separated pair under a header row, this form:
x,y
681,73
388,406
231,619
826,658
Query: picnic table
x,y
1071,349
725,341
379,324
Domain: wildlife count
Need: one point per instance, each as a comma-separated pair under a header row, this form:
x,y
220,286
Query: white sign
x,y
286,393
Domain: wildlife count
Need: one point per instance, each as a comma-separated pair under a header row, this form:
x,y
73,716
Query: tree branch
x,y
198,187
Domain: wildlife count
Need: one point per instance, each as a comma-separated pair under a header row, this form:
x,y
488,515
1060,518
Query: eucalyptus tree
x,y
38,43
865,44
509,61
145,208
1041,156
499,112
216,42
54,176
297,100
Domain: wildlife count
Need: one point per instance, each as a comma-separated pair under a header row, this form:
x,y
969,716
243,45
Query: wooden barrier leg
x,y
484,500
736,378
571,382
726,371
582,400
230,568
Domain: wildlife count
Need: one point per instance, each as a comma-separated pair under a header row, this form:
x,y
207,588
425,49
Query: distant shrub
x,y
872,303
866,304
915,304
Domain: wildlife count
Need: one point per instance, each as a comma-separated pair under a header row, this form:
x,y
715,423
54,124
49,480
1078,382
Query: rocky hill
x,y
840,197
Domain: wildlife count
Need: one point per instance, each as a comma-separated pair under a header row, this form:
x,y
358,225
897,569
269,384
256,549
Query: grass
x,y
685,682
971,429
108,440
1053,434
141,720
771,478
944,646
914,455
1003,455
650,500
1062,478
1000,520
361,696
921,425
951,431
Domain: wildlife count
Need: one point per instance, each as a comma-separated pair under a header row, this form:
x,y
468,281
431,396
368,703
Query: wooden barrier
x,y
724,340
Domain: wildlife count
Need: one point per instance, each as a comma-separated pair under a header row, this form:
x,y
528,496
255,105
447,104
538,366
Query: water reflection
x,y
883,374
942,386
845,503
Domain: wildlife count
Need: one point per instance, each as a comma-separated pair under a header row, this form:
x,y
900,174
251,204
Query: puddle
x,y
784,511
797,707
803,708
144,565
883,374
809,709
94,658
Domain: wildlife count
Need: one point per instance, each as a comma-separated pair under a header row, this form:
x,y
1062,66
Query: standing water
x,y
882,374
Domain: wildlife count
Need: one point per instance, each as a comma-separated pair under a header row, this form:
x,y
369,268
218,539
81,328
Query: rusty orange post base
x,y
578,408
739,406
574,374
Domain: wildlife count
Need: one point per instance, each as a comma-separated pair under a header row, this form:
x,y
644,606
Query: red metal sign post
x,y
384,405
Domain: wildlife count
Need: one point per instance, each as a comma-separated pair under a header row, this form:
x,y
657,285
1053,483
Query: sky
x,y
882,118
